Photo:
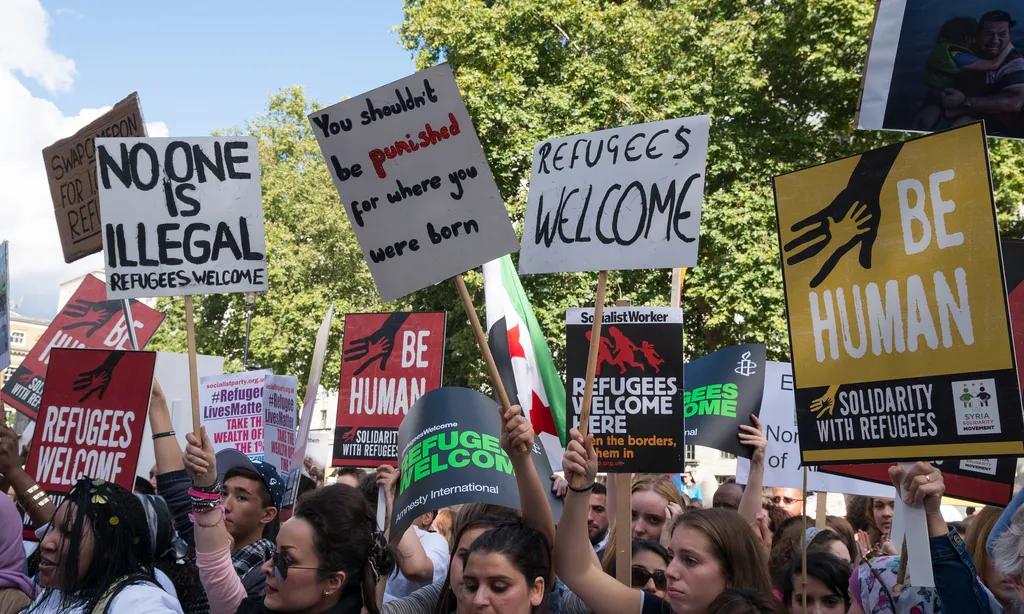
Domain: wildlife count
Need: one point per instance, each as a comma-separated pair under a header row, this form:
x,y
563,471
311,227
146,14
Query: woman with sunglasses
x,y
649,562
328,559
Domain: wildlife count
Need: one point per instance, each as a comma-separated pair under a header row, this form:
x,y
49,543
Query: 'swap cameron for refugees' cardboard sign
x,y
636,413
897,310
449,453
625,198
723,389
414,181
88,320
93,415
71,172
389,360
181,216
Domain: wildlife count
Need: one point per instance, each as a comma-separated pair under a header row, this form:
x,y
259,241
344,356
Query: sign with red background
x,y
389,360
88,320
92,418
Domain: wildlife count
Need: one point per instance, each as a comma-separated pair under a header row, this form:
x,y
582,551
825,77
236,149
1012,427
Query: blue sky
x,y
200,66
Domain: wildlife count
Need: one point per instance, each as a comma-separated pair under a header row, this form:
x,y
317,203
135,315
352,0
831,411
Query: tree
x,y
780,80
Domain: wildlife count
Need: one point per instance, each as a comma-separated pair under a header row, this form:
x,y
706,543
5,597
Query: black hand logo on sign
x,y
378,345
96,381
849,221
92,315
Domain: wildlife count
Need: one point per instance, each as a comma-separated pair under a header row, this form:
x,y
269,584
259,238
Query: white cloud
x,y
29,124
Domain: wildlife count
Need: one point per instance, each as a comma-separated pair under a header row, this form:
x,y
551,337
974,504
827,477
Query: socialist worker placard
x,y
898,315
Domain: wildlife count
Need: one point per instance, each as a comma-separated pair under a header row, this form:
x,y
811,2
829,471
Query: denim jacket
x,y
956,579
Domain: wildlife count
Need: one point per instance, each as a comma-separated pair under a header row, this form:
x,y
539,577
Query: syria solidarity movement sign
x,y
636,413
898,317
414,181
449,454
181,216
389,360
723,389
88,320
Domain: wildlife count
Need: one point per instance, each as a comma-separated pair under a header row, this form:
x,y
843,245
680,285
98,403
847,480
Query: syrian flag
x,y
520,350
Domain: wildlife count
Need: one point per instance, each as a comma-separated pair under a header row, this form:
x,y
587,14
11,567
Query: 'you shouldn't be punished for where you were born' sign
x,y
624,198
897,308
636,414
414,181
181,216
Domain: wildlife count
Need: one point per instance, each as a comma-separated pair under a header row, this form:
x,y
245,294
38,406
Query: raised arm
x,y
412,559
753,436
35,501
573,552
165,447
533,498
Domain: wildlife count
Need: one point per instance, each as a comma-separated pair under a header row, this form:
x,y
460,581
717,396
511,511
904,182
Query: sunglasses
x,y
786,500
641,576
282,564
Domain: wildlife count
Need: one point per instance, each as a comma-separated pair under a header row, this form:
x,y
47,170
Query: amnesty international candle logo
x,y
896,304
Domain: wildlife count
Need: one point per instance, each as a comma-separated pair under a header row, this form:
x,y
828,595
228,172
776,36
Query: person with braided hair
x,y
97,556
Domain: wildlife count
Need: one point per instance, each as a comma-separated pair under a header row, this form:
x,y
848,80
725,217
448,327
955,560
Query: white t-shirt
x,y
436,547
134,599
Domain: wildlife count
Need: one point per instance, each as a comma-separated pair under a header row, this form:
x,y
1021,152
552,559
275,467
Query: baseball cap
x,y
233,459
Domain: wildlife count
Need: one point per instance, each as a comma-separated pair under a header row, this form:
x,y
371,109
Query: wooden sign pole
x,y
821,514
624,539
129,323
595,345
193,371
481,341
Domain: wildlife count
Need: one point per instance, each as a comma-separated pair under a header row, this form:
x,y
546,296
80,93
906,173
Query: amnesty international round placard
x,y
449,453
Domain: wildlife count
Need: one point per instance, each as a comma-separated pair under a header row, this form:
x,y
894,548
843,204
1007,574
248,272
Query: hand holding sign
x,y
201,460
580,459
753,436
517,433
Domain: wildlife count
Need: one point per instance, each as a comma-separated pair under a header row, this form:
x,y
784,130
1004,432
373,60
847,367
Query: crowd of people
x,y
214,538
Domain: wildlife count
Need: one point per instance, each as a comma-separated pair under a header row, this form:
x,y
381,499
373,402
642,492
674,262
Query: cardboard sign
x,y
414,181
94,412
279,397
936,65
5,311
449,454
625,198
986,480
316,370
88,320
636,414
181,216
1013,269
782,457
71,171
723,389
897,311
389,360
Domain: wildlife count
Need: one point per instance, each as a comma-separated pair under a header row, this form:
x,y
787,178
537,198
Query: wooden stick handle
x,y
624,537
193,370
821,514
595,346
481,341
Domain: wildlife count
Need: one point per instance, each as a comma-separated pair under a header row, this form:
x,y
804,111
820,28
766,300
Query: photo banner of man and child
x,y
937,65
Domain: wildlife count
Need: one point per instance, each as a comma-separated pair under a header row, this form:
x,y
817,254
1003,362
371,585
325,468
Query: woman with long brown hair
x,y
975,540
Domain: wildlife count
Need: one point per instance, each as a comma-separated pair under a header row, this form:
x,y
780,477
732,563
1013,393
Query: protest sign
x,y
5,311
319,446
88,320
985,480
389,360
782,458
449,453
71,172
414,181
624,198
933,65
93,415
892,356
316,370
723,389
1013,269
636,415
181,216
232,410
279,398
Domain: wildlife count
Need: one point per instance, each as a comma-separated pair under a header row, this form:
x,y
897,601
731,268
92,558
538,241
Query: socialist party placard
x,y
898,317
624,198
181,216
414,182
723,389
88,320
93,414
636,415
449,454
389,360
